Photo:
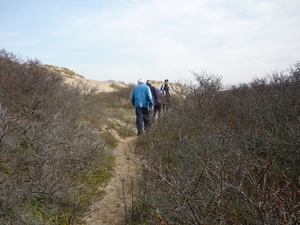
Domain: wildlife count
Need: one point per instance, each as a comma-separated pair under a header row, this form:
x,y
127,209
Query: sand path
x,y
117,201
112,208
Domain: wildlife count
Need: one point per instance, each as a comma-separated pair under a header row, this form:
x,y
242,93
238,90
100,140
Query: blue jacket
x,y
141,96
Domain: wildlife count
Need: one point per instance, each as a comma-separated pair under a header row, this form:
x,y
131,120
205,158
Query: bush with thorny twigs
x,y
52,154
224,156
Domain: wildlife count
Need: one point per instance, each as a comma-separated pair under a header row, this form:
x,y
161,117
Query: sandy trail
x,y
111,209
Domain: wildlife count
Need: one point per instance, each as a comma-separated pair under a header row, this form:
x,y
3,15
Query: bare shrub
x,y
224,156
48,143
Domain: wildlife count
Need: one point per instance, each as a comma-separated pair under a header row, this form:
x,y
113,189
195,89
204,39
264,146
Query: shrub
x,y
224,156
47,144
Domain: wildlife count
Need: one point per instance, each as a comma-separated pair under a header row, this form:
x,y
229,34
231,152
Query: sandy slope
x,y
103,86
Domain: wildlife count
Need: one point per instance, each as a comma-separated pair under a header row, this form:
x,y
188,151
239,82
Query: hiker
x,y
142,100
166,90
154,96
158,103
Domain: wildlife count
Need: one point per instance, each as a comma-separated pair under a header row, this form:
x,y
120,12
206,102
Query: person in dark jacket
x,y
166,90
142,100
154,96
158,103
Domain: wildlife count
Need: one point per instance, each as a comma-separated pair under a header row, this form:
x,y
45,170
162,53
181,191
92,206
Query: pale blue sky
x,y
124,40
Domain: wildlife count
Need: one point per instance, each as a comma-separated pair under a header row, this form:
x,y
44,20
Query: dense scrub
x,y
216,157
224,156
52,154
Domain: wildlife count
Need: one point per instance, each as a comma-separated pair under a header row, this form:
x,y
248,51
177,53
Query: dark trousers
x,y
157,109
165,104
151,118
142,119
165,107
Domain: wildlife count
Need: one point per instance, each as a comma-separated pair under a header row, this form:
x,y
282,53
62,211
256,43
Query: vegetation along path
x,y
113,207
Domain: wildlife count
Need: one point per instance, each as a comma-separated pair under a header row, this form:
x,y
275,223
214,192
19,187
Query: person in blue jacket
x,y
142,100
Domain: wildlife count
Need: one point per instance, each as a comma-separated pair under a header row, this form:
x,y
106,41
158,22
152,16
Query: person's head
x,y
141,80
148,82
166,81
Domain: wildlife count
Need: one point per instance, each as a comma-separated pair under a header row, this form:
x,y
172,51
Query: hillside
x,y
69,154
71,76
103,86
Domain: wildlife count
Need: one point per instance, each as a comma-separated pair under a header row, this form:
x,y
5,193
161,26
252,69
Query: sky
x,y
124,40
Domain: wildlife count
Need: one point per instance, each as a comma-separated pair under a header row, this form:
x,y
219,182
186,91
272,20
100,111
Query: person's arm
x,y
149,96
169,90
155,96
132,97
